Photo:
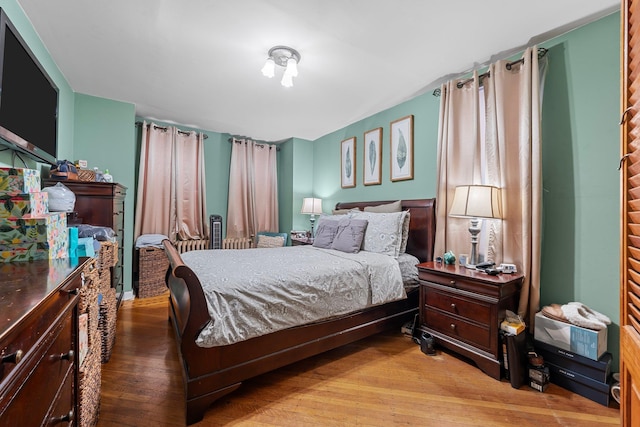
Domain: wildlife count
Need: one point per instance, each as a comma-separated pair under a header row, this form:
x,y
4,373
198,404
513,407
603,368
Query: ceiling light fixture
x,y
286,57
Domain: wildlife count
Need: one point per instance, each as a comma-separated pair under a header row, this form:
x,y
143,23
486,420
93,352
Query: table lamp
x,y
475,202
313,207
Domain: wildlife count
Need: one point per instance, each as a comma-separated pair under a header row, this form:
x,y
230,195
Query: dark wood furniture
x,y
39,341
462,308
210,373
102,203
301,242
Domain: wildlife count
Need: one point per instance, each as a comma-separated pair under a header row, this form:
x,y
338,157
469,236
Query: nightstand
x,y
462,308
300,242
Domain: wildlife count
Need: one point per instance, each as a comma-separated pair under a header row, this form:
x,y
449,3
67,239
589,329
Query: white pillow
x,y
384,232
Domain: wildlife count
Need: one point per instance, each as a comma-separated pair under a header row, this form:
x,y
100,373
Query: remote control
x,y
484,265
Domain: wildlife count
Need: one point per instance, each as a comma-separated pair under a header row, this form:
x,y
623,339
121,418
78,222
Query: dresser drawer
x,y
62,411
477,335
28,403
468,308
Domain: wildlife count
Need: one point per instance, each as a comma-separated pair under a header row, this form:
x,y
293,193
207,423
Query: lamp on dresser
x,y
311,206
475,202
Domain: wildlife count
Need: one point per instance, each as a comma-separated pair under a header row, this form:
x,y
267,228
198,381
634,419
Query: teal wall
x,y
326,156
581,181
104,135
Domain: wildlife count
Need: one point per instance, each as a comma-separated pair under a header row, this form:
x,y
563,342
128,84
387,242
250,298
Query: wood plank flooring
x,y
384,380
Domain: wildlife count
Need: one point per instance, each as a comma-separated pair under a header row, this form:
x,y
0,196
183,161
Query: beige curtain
x,y
171,198
458,160
514,163
495,142
253,189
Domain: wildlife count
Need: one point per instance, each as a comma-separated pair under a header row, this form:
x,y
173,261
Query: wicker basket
x,y
86,175
108,256
89,383
107,323
153,269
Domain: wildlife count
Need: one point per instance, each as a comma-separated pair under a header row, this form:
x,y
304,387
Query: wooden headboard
x,y
422,226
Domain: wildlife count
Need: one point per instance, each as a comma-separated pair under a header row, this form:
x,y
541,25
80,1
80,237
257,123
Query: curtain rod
x,y
259,144
541,53
204,135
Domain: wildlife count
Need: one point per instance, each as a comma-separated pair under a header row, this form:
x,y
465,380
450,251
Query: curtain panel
x,y
171,197
253,189
489,133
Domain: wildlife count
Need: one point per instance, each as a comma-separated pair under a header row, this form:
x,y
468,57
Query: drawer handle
x,y
453,326
73,291
453,282
64,356
67,418
14,358
453,306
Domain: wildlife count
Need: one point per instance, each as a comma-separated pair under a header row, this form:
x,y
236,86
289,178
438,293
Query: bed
x,y
212,372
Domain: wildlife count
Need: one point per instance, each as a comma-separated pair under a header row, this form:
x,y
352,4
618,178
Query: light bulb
x,y
269,69
292,67
287,80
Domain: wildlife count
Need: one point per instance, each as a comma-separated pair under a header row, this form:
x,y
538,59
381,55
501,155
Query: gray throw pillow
x,y
349,236
325,233
388,208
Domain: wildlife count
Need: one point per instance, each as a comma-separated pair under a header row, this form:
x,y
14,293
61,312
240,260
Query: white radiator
x,y
236,243
191,245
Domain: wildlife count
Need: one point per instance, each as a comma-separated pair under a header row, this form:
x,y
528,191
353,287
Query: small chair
x,y
271,240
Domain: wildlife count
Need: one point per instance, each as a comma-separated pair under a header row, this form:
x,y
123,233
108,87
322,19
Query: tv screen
x,y
28,98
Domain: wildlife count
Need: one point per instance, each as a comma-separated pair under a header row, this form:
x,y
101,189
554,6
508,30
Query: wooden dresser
x,y
462,308
101,203
39,342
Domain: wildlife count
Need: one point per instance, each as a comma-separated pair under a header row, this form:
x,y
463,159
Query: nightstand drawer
x,y
455,327
469,309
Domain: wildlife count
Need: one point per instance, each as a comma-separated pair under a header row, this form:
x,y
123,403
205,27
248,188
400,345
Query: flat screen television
x,y
28,98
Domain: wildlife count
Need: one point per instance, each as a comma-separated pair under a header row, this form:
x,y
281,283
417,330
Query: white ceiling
x,y
197,63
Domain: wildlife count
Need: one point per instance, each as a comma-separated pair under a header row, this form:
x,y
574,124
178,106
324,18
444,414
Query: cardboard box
x,y
585,342
598,370
586,387
16,181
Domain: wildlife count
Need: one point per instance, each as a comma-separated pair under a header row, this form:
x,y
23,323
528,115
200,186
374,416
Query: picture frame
x,y
401,160
348,163
372,172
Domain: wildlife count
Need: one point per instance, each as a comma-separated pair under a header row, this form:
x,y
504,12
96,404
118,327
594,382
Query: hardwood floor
x,y
383,380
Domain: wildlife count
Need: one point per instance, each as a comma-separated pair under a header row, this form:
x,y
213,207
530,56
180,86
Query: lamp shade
x,y
311,206
476,201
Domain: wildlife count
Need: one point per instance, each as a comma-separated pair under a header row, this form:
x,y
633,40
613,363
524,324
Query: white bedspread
x,y
252,292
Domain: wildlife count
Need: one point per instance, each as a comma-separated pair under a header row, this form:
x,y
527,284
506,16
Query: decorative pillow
x,y
349,236
405,232
388,208
384,232
270,241
325,232
344,211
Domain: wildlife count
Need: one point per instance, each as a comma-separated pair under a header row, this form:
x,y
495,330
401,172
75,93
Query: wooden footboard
x,y
210,373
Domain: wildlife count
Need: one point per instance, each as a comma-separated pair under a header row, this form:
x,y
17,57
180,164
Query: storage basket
x,y
88,294
153,269
89,383
107,323
86,175
108,256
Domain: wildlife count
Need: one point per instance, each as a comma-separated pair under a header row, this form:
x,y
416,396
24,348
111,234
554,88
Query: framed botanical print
x,y
348,163
372,157
402,149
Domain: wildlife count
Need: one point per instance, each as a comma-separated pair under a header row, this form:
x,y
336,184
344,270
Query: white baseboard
x,y
128,295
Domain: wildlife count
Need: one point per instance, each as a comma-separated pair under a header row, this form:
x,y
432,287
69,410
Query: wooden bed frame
x,y
210,373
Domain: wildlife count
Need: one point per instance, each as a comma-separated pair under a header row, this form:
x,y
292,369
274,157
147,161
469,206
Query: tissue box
x,y
19,205
585,342
16,181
